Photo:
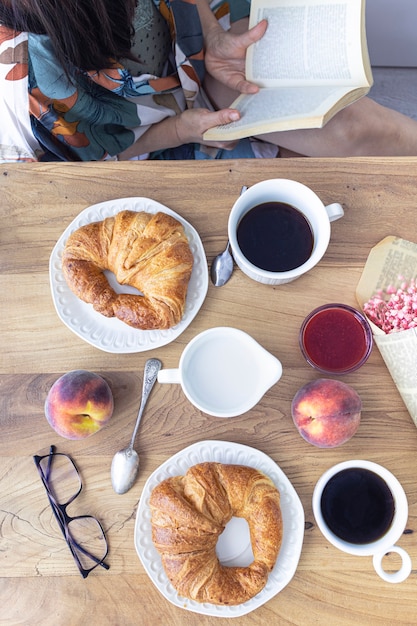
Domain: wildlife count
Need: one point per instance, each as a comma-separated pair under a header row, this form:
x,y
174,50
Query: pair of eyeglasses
x,y
84,534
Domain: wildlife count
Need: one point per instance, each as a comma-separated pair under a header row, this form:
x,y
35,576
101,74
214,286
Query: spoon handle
x,y
152,367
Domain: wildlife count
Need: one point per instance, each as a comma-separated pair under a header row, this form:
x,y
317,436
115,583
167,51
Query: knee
x,y
357,127
365,128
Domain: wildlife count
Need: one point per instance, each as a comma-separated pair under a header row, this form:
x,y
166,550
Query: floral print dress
x,y
93,116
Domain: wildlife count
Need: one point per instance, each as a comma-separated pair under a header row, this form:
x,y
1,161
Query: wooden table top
x,y
40,583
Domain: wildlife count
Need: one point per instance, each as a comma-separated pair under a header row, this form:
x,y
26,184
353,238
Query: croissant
x,y
147,251
190,512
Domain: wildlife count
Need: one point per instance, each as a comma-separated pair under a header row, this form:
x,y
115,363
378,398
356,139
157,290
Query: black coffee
x,y
357,505
275,237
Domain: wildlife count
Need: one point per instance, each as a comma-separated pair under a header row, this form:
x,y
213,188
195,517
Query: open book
x,y
312,61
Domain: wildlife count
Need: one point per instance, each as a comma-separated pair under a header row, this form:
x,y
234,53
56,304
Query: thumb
x,y
224,116
256,32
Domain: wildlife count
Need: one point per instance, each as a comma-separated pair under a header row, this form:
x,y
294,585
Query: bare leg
x,y
365,128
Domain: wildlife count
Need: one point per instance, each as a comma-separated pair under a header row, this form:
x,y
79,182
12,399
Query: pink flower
x,y
394,309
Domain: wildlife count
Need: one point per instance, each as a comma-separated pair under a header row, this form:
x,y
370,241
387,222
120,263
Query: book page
x,y
307,41
291,103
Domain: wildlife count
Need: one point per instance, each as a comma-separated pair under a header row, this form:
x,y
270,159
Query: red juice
x,y
336,339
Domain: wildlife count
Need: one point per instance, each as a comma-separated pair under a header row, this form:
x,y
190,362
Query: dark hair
x,y
86,34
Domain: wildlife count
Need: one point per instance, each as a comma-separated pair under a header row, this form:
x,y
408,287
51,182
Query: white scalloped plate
x,y
233,546
111,334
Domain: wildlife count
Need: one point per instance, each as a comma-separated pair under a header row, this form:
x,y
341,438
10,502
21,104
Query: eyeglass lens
x,y
62,477
88,536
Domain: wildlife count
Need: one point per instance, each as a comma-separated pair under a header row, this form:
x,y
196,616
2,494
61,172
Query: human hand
x,y
191,125
225,55
177,130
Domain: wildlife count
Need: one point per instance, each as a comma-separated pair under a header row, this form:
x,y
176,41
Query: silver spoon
x,y
125,463
222,266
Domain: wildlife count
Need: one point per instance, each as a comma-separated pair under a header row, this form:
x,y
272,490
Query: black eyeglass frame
x,y
62,517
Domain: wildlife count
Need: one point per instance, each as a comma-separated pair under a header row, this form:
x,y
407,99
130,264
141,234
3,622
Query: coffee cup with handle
x,y
361,508
279,229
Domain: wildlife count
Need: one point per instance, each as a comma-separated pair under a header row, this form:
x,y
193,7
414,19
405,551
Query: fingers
x,y
250,37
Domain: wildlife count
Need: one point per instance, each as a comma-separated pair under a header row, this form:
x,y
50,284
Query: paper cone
x,y
390,258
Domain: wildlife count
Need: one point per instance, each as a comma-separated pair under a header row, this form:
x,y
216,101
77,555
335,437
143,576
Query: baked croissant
x,y
190,512
147,251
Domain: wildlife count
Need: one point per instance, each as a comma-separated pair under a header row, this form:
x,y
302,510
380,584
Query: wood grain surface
x,y
39,582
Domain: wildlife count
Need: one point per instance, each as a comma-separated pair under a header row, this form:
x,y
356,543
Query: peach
x,y
79,404
326,412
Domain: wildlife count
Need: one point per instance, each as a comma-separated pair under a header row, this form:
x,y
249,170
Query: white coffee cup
x,y
382,545
302,198
224,372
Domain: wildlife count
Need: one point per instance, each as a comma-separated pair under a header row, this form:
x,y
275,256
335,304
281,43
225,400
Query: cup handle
x,y
401,574
169,376
334,211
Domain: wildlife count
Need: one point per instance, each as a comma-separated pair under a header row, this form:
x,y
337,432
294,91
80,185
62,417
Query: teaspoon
x,y
222,266
125,463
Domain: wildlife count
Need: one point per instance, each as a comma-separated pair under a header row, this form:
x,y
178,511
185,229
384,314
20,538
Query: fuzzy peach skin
x,y
326,412
79,404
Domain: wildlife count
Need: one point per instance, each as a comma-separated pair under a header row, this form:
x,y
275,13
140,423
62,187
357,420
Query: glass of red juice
x,y
336,339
